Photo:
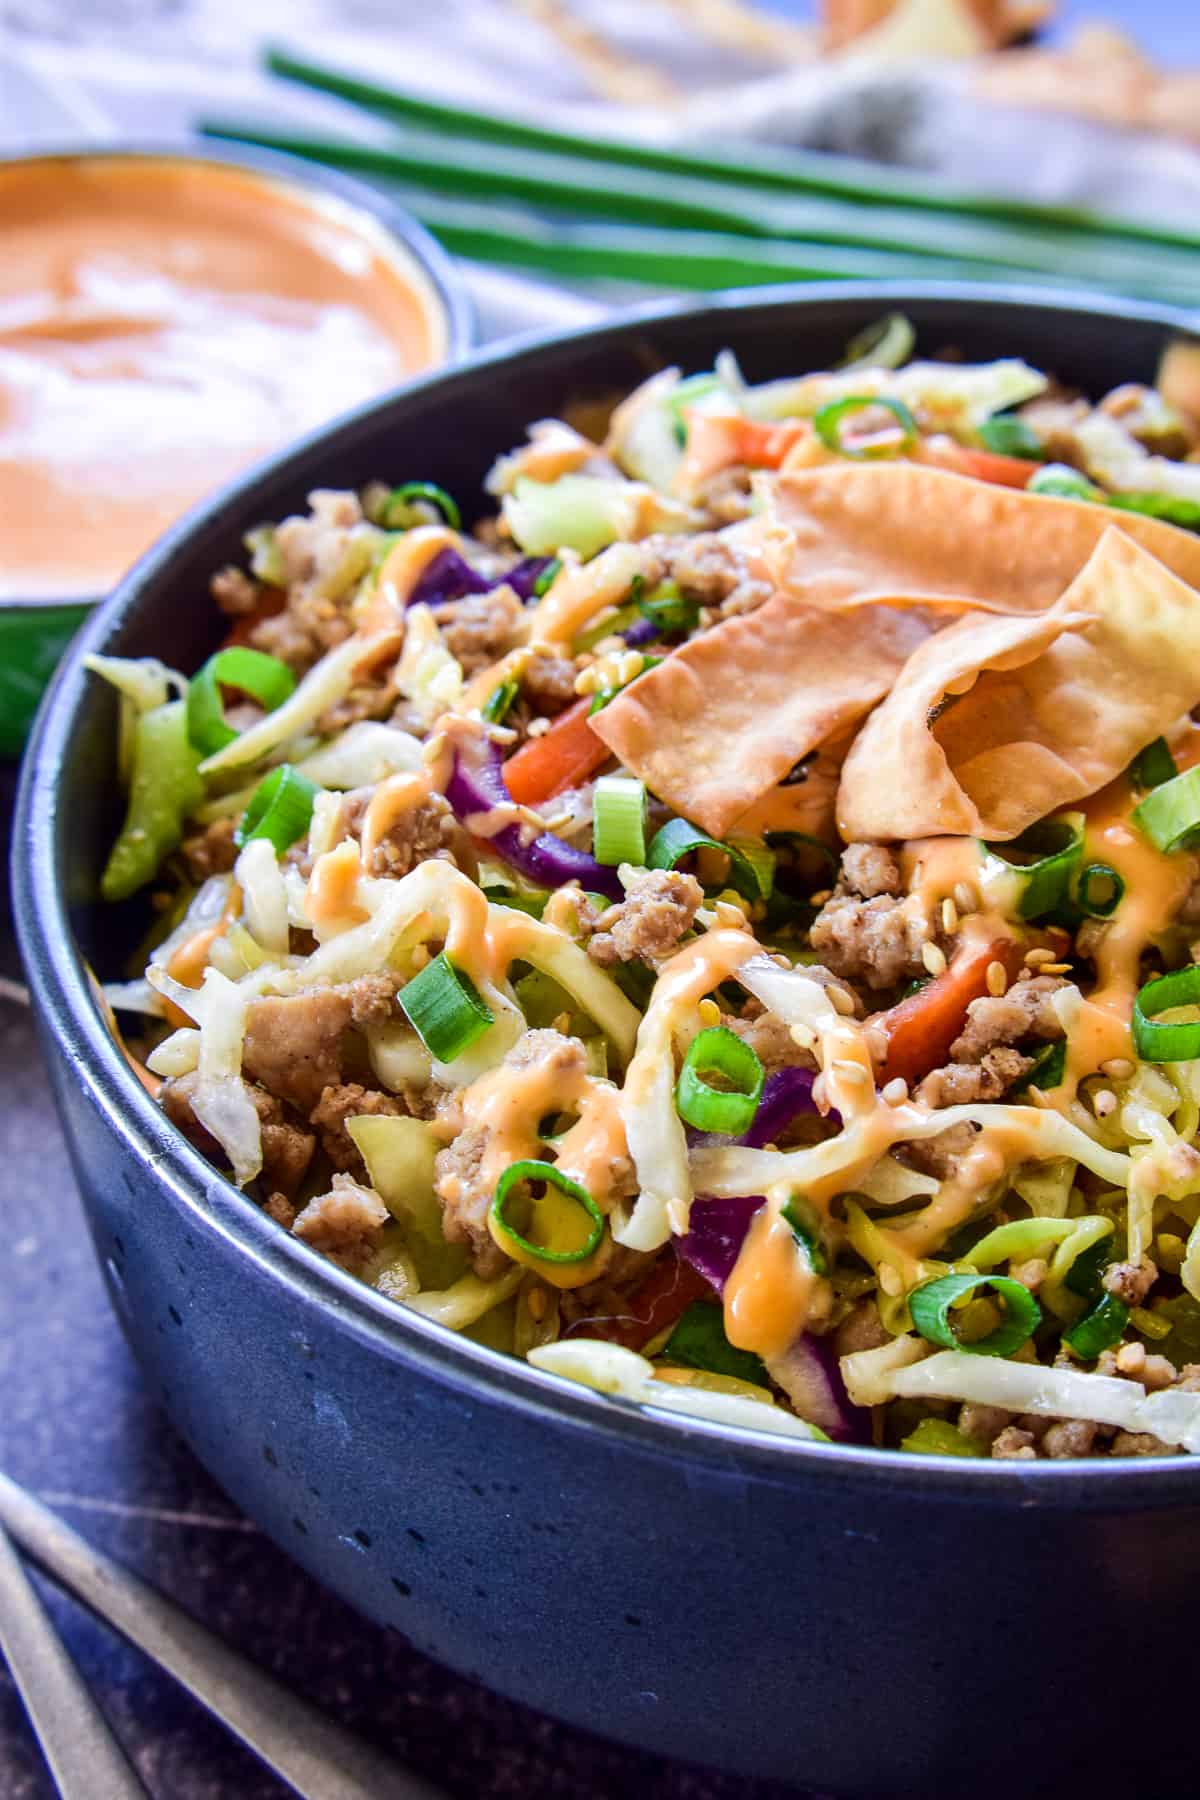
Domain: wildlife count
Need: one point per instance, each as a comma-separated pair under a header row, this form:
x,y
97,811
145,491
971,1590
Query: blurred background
x,y
1081,102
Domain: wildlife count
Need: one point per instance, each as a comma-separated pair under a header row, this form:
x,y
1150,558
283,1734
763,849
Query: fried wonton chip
x,y
999,720
726,716
849,533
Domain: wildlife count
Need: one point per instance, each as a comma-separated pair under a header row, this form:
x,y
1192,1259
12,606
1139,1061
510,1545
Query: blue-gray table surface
x,y
78,1428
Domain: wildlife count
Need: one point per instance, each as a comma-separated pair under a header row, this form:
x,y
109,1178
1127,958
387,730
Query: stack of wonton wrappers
x,y
981,655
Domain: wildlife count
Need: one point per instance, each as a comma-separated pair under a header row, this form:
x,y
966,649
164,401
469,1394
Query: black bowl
x,y
853,1619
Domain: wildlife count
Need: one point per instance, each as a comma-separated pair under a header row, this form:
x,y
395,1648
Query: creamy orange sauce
x,y
392,801
509,1104
162,324
772,1292
1155,888
331,895
400,571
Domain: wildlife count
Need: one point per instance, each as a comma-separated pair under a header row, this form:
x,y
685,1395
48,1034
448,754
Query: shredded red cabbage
x,y
716,1231
449,576
809,1375
645,631
786,1094
477,785
523,576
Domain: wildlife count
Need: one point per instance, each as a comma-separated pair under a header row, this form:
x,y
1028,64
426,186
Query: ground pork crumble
x,y
660,905
867,931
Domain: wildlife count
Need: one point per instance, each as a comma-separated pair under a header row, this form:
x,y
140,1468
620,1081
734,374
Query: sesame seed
x,y
877,1042
1104,1102
536,1302
539,728
896,1091
1130,1358
843,1002
731,917
710,1012
997,979
1056,968
588,681
949,916
964,897
1039,954
801,1035
1117,1068
933,958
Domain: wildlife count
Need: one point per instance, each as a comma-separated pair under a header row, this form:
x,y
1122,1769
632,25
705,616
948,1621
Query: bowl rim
x,y
61,996
446,294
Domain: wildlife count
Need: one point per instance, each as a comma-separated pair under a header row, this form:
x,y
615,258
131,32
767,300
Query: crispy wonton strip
x,y
849,533
725,718
1041,710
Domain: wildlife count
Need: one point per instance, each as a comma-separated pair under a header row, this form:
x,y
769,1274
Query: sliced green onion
x,y
1049,1067
887,344
1164,1043
1099,891
1172,508
830,420
1170,813
699,1342
669,609
444,1008
719,1051
263,677
619,821
938,1437
804,1230
678,839
1009,435
499,701
547,578
1153,765
401,509
761,859
1051,851
1063,481
281,809
1084,1275
532,903
1098,1329
930,1307
606,695
512,1180
164,786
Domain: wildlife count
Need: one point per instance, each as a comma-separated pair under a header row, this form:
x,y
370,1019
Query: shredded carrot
x,y
921,1029
561,758
984,465
661,1300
